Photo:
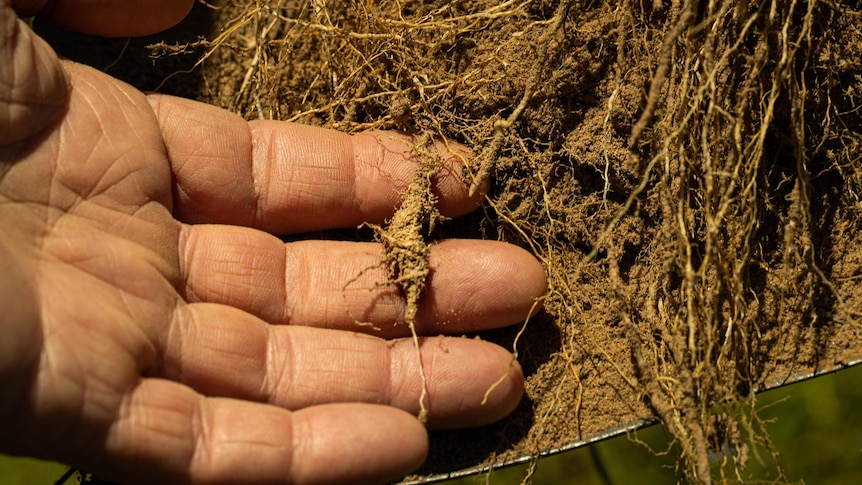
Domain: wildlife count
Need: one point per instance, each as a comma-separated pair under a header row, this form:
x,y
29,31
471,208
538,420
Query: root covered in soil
x,y
688,172
404,247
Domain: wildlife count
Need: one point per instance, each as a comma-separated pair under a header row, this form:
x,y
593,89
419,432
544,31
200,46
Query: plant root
x,y
405,250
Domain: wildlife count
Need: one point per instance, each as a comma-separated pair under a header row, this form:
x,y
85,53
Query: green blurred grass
x,y
26,471
816,425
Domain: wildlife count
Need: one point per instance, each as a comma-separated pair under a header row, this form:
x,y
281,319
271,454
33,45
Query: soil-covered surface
x,y
689,173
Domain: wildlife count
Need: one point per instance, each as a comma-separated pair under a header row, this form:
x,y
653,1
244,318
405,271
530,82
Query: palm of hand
x,y
95,197
132,318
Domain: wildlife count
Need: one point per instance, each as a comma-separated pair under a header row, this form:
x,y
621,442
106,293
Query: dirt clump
x,y
405,252
689,173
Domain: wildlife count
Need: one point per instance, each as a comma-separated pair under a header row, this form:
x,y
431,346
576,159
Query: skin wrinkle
x,y
242,353
86,389
144,354
260,171
471,298
73,253
189,264
173,344
57,189
237,273
134,101
397,377
279,381
192,332
322,299
373,391
275,305
228,285
332,302
200,426
308,376
165,264
147,419
185,252
191,197
334,173
213,141
199,254
186,326
65,176
357,199
233,274
64,233
105,182
102,374
412,388
294,268
49,378
309,192
178,193
283,174
128,418
300,447
369,301
312,389
484,267
367,390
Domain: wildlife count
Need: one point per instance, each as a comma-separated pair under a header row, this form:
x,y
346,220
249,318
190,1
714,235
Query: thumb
x,y
33,85
108,18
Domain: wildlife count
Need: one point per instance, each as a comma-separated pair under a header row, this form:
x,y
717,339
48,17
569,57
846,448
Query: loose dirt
x,y
688,173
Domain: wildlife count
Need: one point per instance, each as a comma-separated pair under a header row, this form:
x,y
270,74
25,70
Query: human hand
x,y
154,329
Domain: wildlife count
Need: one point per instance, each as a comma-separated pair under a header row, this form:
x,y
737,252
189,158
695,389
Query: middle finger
x,y
343,285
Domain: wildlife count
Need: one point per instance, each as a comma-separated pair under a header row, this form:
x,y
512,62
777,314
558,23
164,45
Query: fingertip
x,y
525,278
452,183
358,443
463,163
533,275
508,394
485,284
381,157
482,392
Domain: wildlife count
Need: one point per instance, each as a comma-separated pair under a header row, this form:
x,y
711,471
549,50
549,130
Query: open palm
x,y
153,328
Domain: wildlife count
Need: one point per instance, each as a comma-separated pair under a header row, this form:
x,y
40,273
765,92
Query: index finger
x,y
287,178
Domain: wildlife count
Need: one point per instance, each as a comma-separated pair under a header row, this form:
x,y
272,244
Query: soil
x,y
688,173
